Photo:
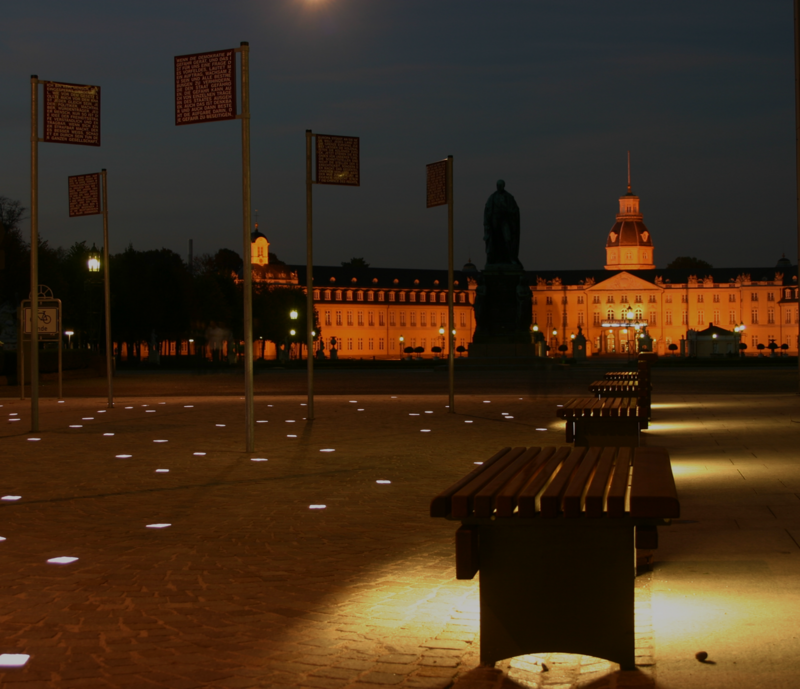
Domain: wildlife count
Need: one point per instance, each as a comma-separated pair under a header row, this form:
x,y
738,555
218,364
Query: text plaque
x,y
71,114
338,160
437,183
205,87
84,195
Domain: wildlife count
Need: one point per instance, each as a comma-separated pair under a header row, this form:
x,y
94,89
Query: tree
x,y
355,263
689,263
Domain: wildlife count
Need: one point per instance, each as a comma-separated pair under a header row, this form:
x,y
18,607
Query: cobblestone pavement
x,y
246,583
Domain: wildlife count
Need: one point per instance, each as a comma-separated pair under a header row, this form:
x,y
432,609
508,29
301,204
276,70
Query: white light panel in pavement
x,y
11,498
33,440
199,454
13,659
425,430
382,481
468,422
162,471
317,507
158,526
259,459
62,560
74,425
108,434
328,449
123,456
291,436
161,441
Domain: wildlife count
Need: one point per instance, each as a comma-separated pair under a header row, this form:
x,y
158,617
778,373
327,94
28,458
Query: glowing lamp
x,y
94,260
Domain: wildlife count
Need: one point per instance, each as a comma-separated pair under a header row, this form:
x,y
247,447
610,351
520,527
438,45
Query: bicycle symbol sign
x,y
48,320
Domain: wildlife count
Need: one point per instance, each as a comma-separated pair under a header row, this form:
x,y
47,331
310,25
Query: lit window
x,y
370,296
349,296
402,296
338,318
463,320
360,316
349,342
443,298
391,296
422,297
327,318
381,318
413,316
360,344
371,318
349,318
412,296
391,317
422,319
381,344
380,296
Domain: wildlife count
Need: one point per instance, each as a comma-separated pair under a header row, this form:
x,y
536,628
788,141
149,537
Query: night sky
x,y
546,95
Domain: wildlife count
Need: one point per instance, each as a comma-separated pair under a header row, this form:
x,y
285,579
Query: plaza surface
x,y
251,586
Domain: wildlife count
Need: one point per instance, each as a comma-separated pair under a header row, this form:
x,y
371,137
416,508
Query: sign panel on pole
x,y
205,87
338,160
84,195
437,183
71,114
48,320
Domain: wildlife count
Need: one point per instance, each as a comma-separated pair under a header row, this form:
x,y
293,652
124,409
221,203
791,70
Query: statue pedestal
x,y
498,309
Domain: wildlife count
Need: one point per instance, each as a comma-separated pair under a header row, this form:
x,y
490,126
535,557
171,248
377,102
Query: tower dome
x,y
629,245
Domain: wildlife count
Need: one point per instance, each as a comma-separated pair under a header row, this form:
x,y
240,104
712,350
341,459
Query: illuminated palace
x,y
369,310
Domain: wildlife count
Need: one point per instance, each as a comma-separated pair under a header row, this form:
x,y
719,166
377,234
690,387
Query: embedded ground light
x,y
73,425
317,507
259,459
199,454
262,421
11,498
425,430
328,449
382,481
291,436
33,440
108,434
162,471
123,456
157,526
62,560
220,425
13,659
161,441
541,429
468,422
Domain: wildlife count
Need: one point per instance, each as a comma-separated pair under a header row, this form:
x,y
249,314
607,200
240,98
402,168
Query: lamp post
x,y
441,334
69,334
629,316
93,265
402,340
293,316
555,338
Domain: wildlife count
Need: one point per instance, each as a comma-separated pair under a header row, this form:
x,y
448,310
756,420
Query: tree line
x,y
156,296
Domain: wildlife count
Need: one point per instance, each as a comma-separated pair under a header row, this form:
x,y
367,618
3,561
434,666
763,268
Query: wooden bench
x,y
621,375
553,532
607,421
615,388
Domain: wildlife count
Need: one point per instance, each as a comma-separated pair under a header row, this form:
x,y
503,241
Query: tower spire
x,y
629,172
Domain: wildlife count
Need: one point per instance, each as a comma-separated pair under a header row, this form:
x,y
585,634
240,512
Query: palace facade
x,y
377,312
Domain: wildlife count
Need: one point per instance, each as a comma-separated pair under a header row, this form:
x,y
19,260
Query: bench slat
x,y
572,496
615,503
506,499
597,488
550,502
440,505
461,502
484,500
653,492
527,497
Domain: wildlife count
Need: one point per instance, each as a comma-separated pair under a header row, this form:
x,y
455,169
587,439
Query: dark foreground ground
x,y
247,586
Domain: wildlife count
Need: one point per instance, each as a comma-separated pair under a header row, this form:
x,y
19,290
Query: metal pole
x,y
107,293
21,351
34,253
797,136
450,315
309,281
60,321
247,268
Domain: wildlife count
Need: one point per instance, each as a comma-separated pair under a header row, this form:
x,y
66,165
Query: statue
x,y
501,228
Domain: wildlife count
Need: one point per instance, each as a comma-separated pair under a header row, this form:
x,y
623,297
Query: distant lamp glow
x,y
69,334
292,332
94,260
630,314
535,328
293,314
441,331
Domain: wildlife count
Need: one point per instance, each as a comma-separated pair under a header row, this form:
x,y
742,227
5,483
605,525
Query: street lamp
x,y
293,314
69,334
94,260
441,334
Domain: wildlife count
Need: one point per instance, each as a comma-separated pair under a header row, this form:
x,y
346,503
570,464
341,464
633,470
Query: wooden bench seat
x,y
565,521
621,375
615,388
604,421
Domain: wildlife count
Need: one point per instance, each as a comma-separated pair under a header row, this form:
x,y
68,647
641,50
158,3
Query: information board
x,y
205,87
71,114
48,320
84,195
338,160
437,183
